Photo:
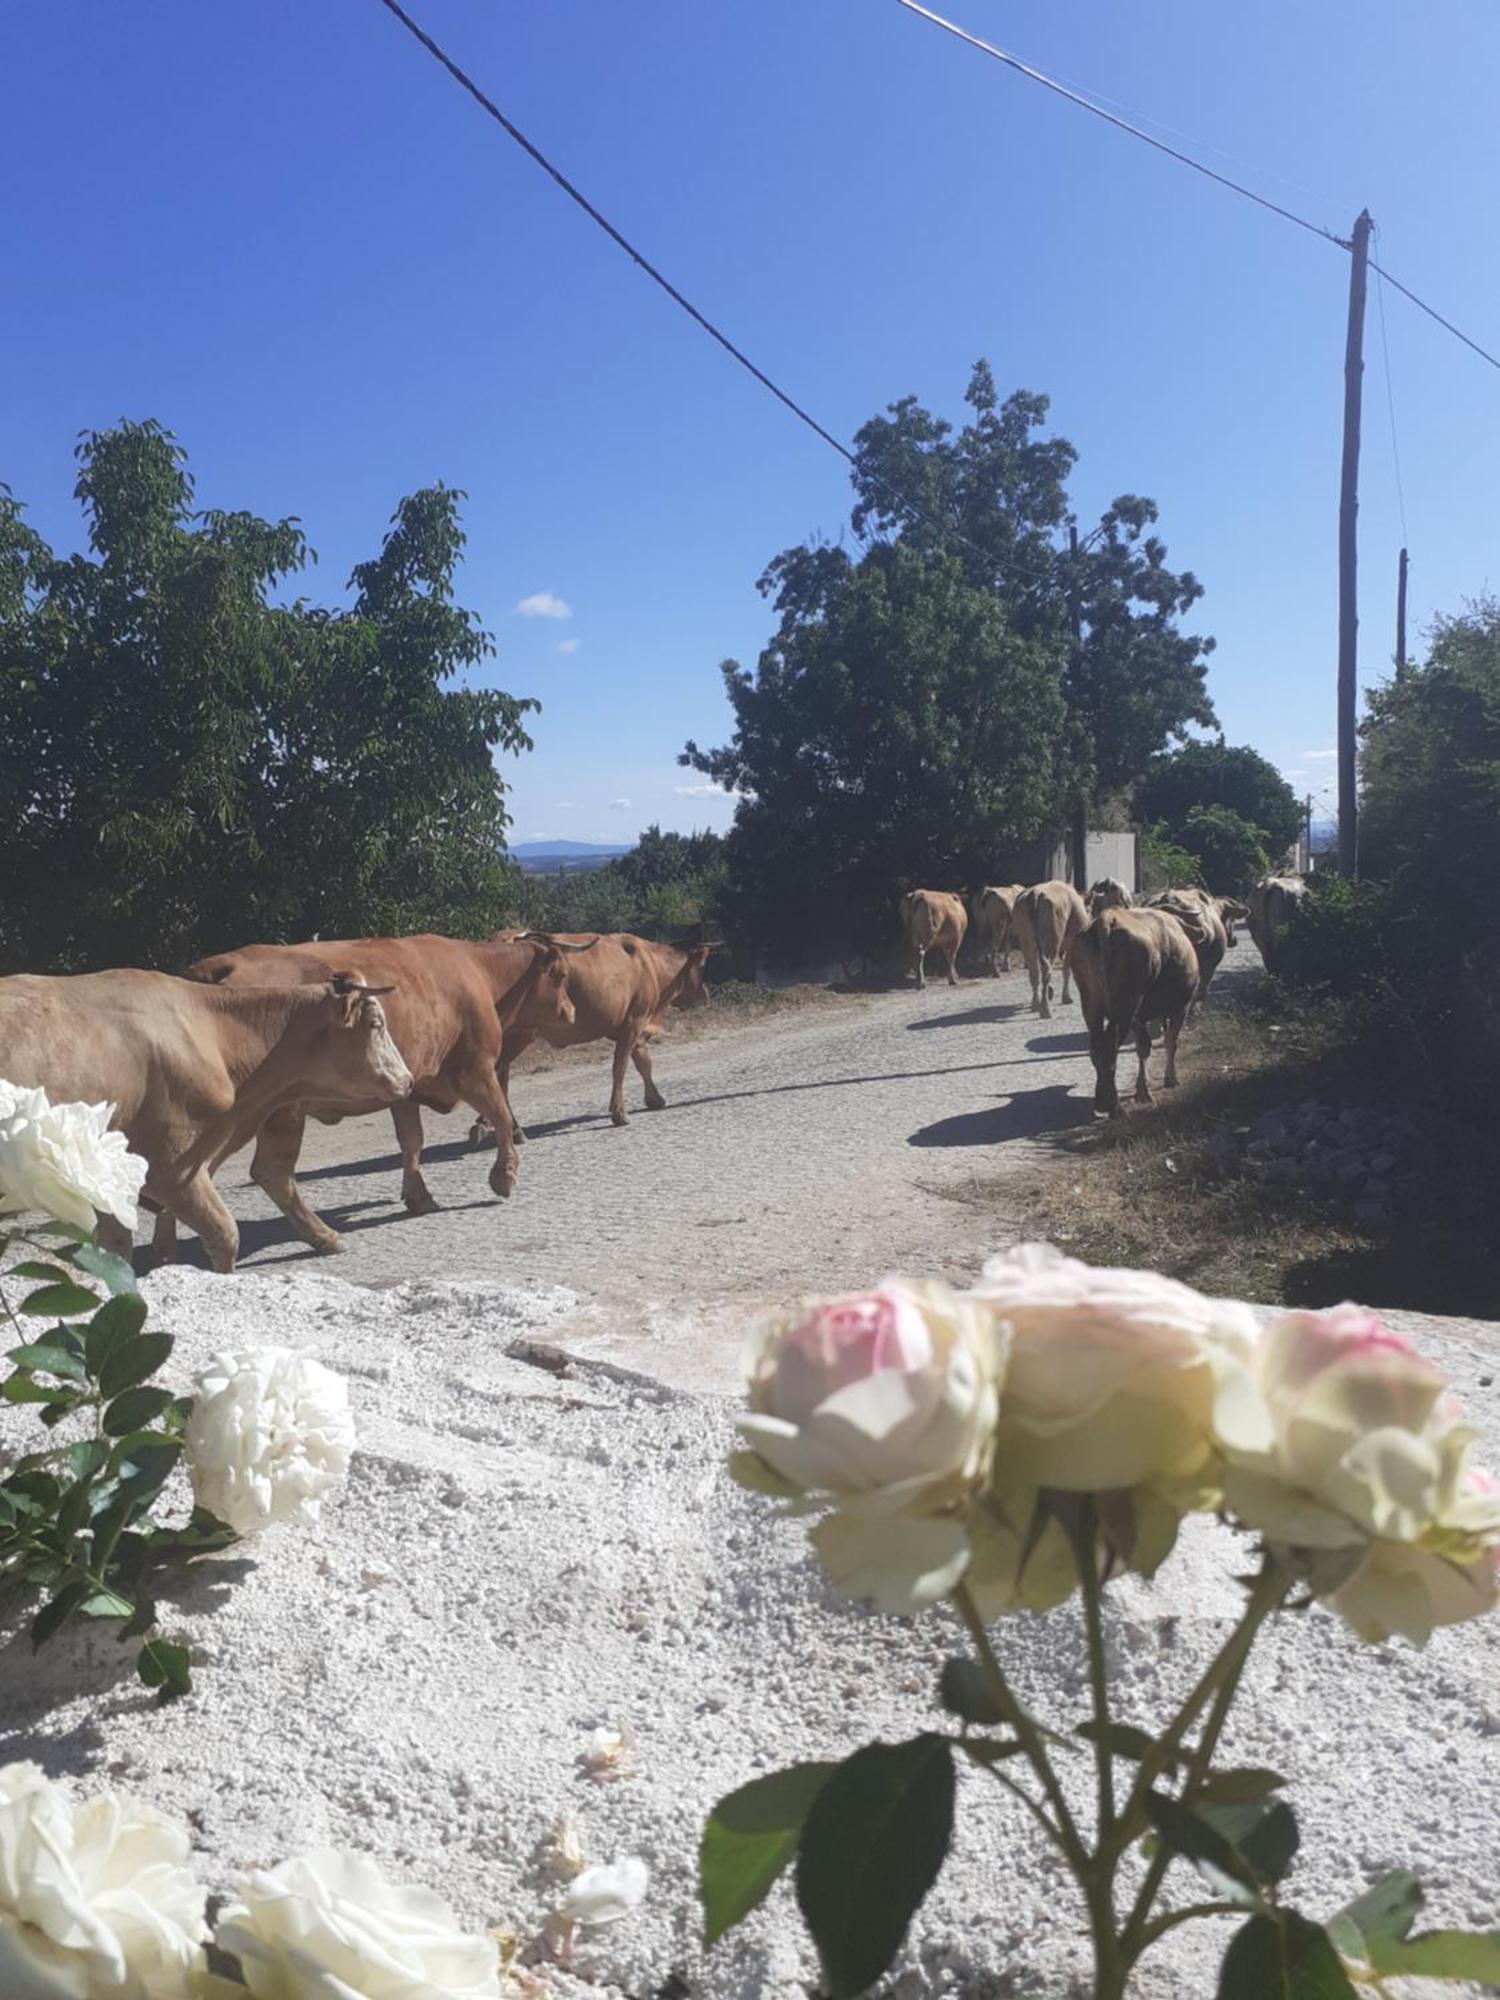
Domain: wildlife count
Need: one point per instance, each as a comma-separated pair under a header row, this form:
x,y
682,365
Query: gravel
x,y
528,1554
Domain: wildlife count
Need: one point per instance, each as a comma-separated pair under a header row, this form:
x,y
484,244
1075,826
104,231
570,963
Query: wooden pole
x,y
1307,862
1401,616
1354,369
1080,829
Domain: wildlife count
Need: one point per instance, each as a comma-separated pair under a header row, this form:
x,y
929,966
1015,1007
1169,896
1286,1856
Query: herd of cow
x,y
250,1043
1138,967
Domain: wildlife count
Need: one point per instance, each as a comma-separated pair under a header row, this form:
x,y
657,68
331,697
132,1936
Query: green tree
x,y
187,761
1229,851
1220,774
894,732
871,751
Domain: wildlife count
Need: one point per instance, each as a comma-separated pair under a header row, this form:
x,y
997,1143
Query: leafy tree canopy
x,y
1229,851
1220,774
187,761
924,707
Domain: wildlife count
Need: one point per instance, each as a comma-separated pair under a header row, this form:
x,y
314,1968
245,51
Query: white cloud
x,y
1318,756
542,604
568,646
619,805
566,806
707,790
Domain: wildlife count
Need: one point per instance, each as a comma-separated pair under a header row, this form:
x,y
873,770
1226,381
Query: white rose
x,y
882,1405
607,1892
328,1926
1406,1593
1110,1382
62,1160
269,1437
96,1899
1336,1432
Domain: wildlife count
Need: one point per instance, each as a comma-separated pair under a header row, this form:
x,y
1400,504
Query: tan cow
x,y
1108,894
1272,902
993,909
932,920
1134,968
452,1000
1046,919
1209,923
620,993
194,1071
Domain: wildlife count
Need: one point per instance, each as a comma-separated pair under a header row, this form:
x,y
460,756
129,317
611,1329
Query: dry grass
x,y
1165,1187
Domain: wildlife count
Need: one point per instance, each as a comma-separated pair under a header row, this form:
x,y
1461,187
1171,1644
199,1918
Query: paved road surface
x,y
813,1151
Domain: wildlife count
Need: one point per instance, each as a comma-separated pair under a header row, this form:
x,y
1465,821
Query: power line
x,y
1390,401
1184,159
1123,124
575,194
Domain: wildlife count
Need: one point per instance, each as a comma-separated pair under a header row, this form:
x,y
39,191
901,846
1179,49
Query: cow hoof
x,y
657,1103
480,1134
328,1245
420,1204
618,1118
518,1136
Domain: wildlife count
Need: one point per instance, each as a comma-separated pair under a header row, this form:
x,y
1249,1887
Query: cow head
x,y
691,989
356,1058
551,1002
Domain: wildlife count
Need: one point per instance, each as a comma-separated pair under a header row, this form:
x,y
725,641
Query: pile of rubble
x,y
1366,1158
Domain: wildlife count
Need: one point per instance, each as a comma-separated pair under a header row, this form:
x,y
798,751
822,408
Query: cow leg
x,y
516,1043
1042,983
273,1170
623,1047
162,1248
1170,1033
1067,966
480,1090
952,958
1143,1056
1104,1048
640,1056
415,1193
201,1207
921,968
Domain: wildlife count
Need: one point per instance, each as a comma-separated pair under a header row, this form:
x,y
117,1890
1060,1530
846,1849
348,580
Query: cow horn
x,y
345,983
712,944
563,945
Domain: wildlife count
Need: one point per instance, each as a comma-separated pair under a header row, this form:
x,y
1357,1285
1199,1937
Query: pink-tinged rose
x,y
879,1405
1111,1379
1335,1431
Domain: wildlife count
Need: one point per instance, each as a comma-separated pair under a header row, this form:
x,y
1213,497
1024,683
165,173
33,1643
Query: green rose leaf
x,y
116,1323
51,1359
141,1619
1283,1957
115,1273
21,1389
1386,1910
1211,1852
57,1610
63,1300
86,1458
1439,1955
132,1360
1263,1832
135,1409
106,1604
875,1838
750,1837
965,1692
42,1274
164,1666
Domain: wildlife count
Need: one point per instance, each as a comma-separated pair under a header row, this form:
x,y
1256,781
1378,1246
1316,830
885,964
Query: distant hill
x,y
551,857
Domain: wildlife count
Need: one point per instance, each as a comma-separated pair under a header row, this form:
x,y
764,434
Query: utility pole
x,y
1354,369
1307,861
1080,828
1401,616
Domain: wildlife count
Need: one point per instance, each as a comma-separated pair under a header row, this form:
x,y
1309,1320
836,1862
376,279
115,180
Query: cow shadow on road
x,y
1061,1045
1029,1114
971,1016
262,1233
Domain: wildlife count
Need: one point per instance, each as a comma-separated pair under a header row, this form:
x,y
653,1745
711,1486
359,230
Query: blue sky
x,y
278,227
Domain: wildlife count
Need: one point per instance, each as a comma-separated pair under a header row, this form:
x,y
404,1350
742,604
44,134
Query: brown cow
x,y
620,993
1046,920
1108,894
452,1001
193,1071
993,909
1209,923
1134,968
932,920
1272,902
